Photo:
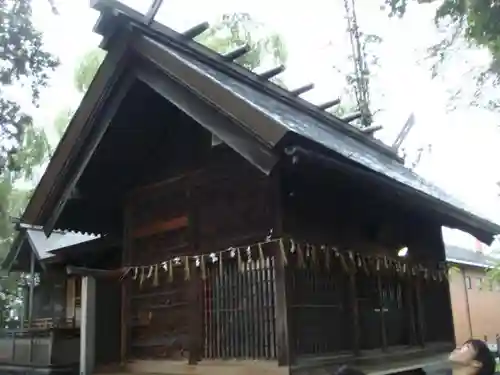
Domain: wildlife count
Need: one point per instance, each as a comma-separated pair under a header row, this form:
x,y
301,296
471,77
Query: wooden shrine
x,y
258,233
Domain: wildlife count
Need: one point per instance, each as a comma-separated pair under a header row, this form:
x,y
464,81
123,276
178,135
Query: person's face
x,y
464,356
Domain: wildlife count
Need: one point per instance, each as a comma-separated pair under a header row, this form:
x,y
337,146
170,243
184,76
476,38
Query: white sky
x,y
465,142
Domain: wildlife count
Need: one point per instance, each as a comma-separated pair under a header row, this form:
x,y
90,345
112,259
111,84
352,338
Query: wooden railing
x,y
47,323
239,310
39,347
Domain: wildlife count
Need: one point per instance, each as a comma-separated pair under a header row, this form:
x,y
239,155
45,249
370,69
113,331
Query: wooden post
x,y
87,326
32,288
284,349
283,341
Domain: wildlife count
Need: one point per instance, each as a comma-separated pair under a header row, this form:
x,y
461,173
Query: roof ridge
x,y
184,43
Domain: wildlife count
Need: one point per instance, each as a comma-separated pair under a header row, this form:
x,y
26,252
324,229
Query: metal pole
x,y
32,289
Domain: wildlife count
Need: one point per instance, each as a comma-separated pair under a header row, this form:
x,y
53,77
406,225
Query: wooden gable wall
x,y
224,201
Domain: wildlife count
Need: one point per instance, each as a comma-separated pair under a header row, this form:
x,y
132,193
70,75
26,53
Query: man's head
x,y
474,358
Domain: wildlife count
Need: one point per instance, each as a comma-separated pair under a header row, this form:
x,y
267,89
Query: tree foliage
x,y
229,32
237,29
87,68
477,20
24,70
13,199
24,64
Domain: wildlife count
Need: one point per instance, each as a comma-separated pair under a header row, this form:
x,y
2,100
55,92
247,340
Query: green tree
x,y
476,20
31,154
229,32
237,29
87,68
24,63
25,67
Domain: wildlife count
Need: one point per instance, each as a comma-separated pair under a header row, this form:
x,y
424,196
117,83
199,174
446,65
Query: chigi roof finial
x,y
196,30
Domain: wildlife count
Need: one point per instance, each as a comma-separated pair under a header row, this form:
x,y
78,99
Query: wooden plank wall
x,y
364,311
226,203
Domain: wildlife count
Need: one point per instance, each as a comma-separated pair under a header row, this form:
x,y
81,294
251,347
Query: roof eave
x,y
481,228
467,263
48,191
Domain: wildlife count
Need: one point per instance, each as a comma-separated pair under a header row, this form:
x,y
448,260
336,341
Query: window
x,y
480,283
468,282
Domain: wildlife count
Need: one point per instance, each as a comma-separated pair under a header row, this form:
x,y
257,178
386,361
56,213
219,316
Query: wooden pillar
x,y
32,288
283,342
87,325
284,348
426,245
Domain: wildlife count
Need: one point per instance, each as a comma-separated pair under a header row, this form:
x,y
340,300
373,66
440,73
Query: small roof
x,y
460,255
211,89
33,239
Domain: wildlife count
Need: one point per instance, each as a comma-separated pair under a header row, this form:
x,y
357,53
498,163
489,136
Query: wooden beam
x,y
285,353
48,191
161,226
99,126
97,273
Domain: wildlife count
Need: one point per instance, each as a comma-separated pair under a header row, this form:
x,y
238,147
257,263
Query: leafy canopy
x,y
24,64
229,32
478,18
24,68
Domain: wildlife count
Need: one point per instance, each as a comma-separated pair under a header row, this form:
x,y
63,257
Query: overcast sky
x,y
465,142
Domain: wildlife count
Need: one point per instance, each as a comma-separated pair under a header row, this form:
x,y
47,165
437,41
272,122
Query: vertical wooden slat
x,y
206,315
252,309
233,306
383,330
225,315
195,315
246,307
260,309
273,312
266,305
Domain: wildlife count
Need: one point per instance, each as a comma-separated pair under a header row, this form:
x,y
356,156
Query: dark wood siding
x,y
364,310
225,203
